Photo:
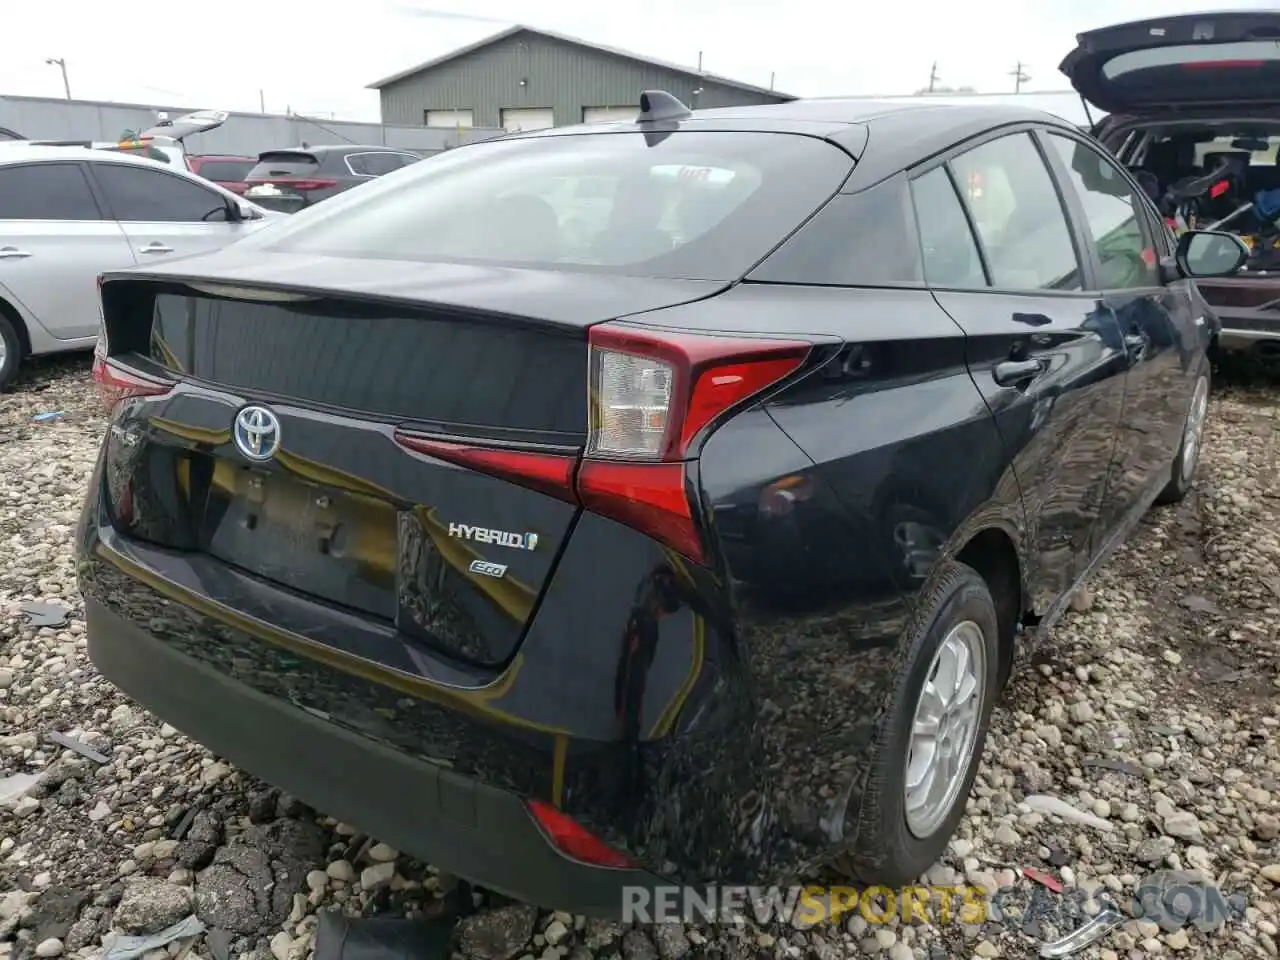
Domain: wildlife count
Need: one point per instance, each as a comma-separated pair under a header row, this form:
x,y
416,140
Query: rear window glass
x,y
685,206
283,165
225,170
1243,55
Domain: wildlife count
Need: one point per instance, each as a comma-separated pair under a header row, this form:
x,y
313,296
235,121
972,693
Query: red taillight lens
x,y
551,474
1222,64
116,384
576,841
652,394
299,183
651,397
649,497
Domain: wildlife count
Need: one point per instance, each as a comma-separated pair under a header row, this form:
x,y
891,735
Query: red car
x,y
227,172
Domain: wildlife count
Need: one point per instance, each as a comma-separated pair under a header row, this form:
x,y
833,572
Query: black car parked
x,y
649,501
289,180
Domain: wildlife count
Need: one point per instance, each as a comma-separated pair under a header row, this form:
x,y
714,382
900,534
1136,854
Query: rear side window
x,y
1125,253
46,191
375,164
1018,215
689,205
143,195
950,252
226,171
858,239
283,164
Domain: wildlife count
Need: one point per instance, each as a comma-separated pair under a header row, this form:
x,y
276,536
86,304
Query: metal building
x,y
526,79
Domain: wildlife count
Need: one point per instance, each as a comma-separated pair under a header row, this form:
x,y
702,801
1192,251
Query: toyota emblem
x,y
257,433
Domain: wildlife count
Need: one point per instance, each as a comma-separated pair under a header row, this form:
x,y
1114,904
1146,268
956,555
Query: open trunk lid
x,y
311,438
181,127
1180,63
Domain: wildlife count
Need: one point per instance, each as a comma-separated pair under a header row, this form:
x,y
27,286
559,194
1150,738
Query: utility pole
x,y
1019,76
772,77
61,64
933,76
262,102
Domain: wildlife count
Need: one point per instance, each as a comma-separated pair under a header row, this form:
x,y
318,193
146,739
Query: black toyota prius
x,y
650,502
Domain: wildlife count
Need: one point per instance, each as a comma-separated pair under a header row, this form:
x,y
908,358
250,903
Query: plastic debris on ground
x,y
13,787
40,614
120,947
1089,933
50,415
1042,878
71,743
381,938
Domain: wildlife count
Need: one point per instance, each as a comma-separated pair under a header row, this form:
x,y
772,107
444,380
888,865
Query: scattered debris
x,y
1108,763
62,740
121,947
13,787
1083,936
40,614
1042,878
1198,604
1043,803
49,415
340,937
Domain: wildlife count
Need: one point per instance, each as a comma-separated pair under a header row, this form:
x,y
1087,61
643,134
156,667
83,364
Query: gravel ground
x,y
1153,712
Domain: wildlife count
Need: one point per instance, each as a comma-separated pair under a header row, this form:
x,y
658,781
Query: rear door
x,y
1163,336
1220,59
54,241
1045,352
163,214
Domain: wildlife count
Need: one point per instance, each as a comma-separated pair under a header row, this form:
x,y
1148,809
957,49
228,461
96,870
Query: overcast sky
x,y
317,57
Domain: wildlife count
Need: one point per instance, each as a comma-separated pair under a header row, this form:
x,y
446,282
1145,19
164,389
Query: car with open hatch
x,y
649,502
1193,106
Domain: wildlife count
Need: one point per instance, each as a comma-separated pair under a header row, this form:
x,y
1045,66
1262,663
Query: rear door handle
x,y
156,248
1018,373
13,253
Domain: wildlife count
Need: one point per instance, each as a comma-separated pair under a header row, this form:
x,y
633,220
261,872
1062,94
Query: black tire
x,y
886,851
1180,481
12,351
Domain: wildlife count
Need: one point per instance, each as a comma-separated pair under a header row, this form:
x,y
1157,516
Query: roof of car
x,y
15,152
898,132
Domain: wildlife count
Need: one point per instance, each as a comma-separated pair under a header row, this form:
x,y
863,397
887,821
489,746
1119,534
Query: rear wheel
x,y
1182,472
10,351
931,739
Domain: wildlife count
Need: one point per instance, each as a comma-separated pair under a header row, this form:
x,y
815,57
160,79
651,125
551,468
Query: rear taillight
x,y
576,841
652,398
300,183
115,384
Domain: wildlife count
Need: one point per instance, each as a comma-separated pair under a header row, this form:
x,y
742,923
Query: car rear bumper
x,y
481,833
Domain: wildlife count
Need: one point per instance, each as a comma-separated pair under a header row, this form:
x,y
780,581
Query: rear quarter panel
x,y
894,463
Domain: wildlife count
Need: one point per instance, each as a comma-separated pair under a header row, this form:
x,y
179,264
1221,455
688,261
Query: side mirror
x,y
1210,253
